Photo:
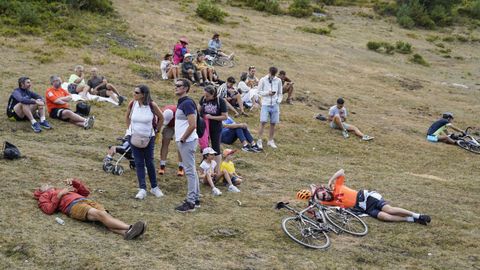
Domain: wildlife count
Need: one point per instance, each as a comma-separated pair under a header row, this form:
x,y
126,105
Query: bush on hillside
x,y
418,59
269,6
471,9
208,10
381,47
403,47
314,30
99,6
300,8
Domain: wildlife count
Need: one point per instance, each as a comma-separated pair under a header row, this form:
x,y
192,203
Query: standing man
x,y
99,86
168,132
287,85
270,89
186,138
23,103
337,116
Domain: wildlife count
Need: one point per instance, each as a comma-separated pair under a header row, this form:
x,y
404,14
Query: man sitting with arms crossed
x,y
337,115
23,103
57,105
99,86
369,202
72,201
438,131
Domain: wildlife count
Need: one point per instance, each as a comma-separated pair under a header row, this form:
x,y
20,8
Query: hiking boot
x,y
216,192
247,148
36,127
233,188
142,193
135,230
44,124
180,171
345,134
259,144
272,144
185,207
256,149
157,192
367,138
161,171
121,99
423,219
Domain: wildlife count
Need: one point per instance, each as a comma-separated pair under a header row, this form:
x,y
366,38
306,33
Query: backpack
x,y
83,109
10,151
200,122
155,118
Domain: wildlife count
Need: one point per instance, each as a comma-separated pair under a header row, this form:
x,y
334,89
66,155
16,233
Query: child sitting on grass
x,y
208,175
228,169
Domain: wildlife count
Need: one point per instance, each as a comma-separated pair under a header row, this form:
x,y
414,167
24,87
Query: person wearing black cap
x,y
23,104
337,117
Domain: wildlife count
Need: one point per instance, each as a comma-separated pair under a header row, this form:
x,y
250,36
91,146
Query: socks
x,y
416,215
33,121
42,118
163,162
410,219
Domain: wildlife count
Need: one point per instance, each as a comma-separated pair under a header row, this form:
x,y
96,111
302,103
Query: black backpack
x,y
10,151
201,126
82,109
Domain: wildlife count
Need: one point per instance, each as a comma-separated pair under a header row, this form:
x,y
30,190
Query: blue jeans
x,y
144,157
231,134
271,112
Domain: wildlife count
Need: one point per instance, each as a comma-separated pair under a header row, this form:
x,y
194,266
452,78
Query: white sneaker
x,y
142,193
260,144
272,144
216,192
367,138
233,188
345,134
157,192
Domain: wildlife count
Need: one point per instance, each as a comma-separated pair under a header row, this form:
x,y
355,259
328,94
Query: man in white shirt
x,y
337,116
270,89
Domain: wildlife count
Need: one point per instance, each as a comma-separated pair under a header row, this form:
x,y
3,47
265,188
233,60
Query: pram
x,y
111,165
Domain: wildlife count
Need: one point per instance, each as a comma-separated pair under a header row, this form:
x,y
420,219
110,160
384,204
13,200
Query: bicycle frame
x,y
320,221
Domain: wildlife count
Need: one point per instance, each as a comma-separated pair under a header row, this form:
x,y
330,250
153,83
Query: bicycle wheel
x,y
346,221
469,146
224,62
305,232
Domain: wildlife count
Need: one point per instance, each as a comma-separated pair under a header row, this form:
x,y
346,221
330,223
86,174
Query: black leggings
x,y
215,134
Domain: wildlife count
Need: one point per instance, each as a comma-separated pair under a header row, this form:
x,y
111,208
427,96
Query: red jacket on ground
x,y
50,203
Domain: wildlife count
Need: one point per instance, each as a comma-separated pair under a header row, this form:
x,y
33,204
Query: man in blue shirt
x,y
23,104
438,130
215,46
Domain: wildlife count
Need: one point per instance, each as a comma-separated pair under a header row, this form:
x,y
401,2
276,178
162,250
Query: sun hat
x,y
184,40
228,152
208,150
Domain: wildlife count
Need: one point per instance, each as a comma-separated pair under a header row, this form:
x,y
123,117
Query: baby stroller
x,y
111,165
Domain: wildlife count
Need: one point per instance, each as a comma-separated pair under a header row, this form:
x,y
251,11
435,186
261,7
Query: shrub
x,y
314,30
209,11
418,59
405,22
100,6
381,47
386,8
403,47
300,8
269,6
28,14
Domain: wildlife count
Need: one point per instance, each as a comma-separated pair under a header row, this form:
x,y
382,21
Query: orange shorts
x,y
80,209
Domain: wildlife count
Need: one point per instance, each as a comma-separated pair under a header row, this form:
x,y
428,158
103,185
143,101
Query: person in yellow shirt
x,y
204,68
227,167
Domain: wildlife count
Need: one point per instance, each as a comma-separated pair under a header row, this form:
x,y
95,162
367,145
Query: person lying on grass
x,y
369,202
72,201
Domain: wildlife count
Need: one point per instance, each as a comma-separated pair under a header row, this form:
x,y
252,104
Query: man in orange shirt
x,y
370,202
57,105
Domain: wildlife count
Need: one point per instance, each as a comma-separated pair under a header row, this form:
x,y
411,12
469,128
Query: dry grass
x,y
410,172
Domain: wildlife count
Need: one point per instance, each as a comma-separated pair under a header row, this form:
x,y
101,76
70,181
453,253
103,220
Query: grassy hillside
x,y
388,96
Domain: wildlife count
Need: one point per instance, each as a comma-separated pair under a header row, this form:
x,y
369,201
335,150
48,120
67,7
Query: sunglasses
x,y
137,92
178,85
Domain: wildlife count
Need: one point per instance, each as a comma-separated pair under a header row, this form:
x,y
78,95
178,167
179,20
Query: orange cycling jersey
x,y
343,196
53,94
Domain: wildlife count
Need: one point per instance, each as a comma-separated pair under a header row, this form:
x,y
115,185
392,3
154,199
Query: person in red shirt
x,y
58,107
168,133
72,201
369,202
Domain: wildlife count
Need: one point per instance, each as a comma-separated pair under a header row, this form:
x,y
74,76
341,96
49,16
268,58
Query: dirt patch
x,y
428,176
406,83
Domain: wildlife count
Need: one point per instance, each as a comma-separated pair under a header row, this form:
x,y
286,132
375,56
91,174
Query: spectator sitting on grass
x,y
438,131
204,68
189,70
168,69
227,167
207,170
252,80
76,82
232,131
73,202
337,116
179,50
215,45
99,86
58,107
250,96
23,104
287,86
228,92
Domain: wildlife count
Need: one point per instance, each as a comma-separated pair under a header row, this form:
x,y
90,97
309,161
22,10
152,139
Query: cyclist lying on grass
x,y
438,130
369,202
72,201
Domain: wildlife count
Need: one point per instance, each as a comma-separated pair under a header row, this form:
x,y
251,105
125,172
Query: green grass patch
x,y
300,8
210,11
251,49
381,47
315,30
418,59
403,47
134,54
143,71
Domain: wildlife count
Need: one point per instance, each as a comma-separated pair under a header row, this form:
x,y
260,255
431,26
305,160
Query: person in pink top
x,y
179,50
72,201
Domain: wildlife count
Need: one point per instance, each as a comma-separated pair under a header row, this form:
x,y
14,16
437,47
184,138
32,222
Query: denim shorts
x,y
333,125
271,112
432,138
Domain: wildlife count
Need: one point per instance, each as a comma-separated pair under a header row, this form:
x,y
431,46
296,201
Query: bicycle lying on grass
x,y
312,231
467,141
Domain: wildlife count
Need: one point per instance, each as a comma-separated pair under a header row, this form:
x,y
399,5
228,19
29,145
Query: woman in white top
x,y
249,95
169,70
143,116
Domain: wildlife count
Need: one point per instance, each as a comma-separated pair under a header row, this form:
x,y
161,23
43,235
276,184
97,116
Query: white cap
x,y
208,150
167,116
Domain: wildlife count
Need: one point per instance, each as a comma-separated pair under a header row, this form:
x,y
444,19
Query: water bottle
x,y
59,221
